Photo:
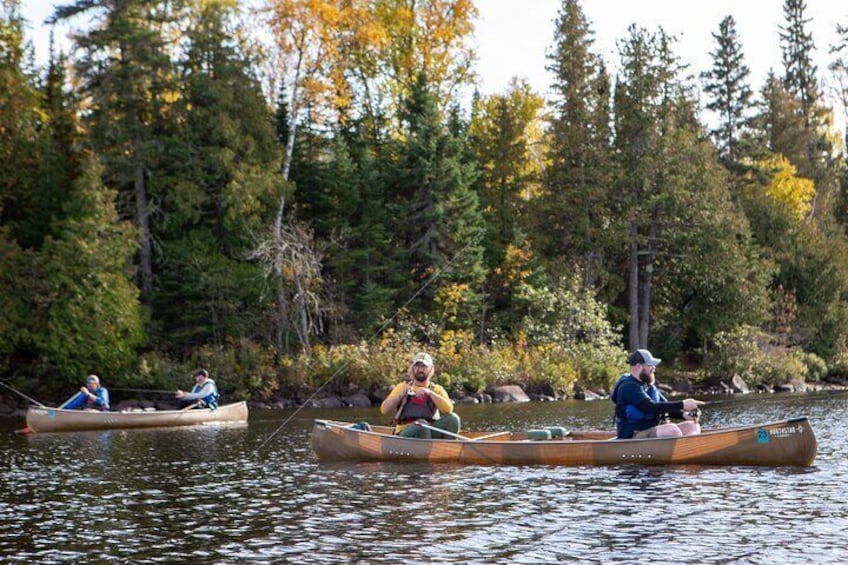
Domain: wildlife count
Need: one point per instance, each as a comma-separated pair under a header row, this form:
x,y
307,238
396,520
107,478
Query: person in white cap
x,y
419,405
641,410
90,397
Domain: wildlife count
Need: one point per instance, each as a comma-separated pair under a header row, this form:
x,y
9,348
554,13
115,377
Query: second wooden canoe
x,y
41,420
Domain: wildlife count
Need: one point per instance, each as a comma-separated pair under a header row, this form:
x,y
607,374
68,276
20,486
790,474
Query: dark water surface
x,y
255,494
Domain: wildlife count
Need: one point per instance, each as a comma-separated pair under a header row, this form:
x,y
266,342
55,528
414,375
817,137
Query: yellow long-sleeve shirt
x,y
437,393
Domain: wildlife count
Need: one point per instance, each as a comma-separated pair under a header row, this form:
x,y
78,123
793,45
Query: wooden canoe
x,y
40,420
791,443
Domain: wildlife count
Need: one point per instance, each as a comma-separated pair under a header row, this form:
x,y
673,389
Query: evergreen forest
x,y
300,194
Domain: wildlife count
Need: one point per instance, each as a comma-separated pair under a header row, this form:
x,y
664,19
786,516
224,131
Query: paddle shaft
x,y
23,395
435,429
68,401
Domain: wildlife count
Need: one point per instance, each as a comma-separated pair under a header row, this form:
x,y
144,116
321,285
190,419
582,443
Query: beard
x,y
647,377
421,377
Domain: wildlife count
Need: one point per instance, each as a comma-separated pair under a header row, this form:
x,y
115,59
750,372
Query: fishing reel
x,y
695,414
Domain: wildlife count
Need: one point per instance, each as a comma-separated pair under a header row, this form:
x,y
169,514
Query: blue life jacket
x,y
635,415
630,413
211,399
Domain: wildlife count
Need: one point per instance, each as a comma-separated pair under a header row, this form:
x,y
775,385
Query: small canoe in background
x,y
41,420
790,443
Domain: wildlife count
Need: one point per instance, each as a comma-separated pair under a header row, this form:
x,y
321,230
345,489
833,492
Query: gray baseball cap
x,y
643,357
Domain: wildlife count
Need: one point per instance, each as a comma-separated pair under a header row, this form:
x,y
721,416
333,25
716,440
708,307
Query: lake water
x,y
255,494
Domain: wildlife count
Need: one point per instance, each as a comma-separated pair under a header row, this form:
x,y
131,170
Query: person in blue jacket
x,y
641,410
204,394
90,397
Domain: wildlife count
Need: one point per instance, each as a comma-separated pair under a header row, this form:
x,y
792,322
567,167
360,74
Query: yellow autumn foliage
x,y
788,189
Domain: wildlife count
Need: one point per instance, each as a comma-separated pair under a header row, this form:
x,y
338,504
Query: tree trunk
x,y
282,303
145,267
646,287
287,160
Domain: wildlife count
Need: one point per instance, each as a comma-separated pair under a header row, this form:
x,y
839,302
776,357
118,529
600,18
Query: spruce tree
x,y
436,215
505,144
19,123
801,81
60,140
217,187
575,210
797,51
727,87
126,76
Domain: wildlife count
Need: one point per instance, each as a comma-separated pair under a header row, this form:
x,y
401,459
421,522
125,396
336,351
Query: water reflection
x,y
227,495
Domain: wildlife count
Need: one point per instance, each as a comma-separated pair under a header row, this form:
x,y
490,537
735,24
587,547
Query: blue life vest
x,y
211,399
635,415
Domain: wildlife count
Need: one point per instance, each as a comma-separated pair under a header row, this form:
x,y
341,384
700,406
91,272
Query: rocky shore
x,y
12,406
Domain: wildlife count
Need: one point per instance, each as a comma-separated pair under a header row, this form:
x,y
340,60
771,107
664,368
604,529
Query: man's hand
x,y
690,404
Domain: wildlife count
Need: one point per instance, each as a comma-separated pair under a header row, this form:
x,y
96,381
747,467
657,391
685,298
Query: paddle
x,y
457,436
432,428
68,401
487,436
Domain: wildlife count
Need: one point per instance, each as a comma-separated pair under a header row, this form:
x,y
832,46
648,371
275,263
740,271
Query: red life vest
x,y
418,407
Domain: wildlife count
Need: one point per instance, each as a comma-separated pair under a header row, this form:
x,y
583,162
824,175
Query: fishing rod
x,y
143,390
380,330
34,401
752,396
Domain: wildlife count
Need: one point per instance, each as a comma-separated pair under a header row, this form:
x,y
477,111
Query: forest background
x,y
299,196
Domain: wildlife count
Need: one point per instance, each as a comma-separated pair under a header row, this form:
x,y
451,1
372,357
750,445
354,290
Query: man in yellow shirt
x,y
419,400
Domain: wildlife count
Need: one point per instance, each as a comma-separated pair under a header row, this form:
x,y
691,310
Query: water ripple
x,y
211,496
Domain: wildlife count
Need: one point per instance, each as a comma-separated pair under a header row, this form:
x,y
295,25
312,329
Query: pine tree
x,y
798,46
436,215
19,122
217,185
505,144
670,179
125,75
60,140
638,123
800,80
730,95
575,211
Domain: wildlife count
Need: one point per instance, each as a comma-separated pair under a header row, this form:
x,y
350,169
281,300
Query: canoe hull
x,y
790,443
43,420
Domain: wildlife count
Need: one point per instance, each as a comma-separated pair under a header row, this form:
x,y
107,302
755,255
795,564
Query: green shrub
x,y
816,367
740,352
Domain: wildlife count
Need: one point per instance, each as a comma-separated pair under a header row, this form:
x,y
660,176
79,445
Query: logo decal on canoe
x,y
51,414
763,434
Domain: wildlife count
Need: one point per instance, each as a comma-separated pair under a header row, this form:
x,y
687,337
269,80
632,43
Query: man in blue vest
x,y
420,405
204,394
641,411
